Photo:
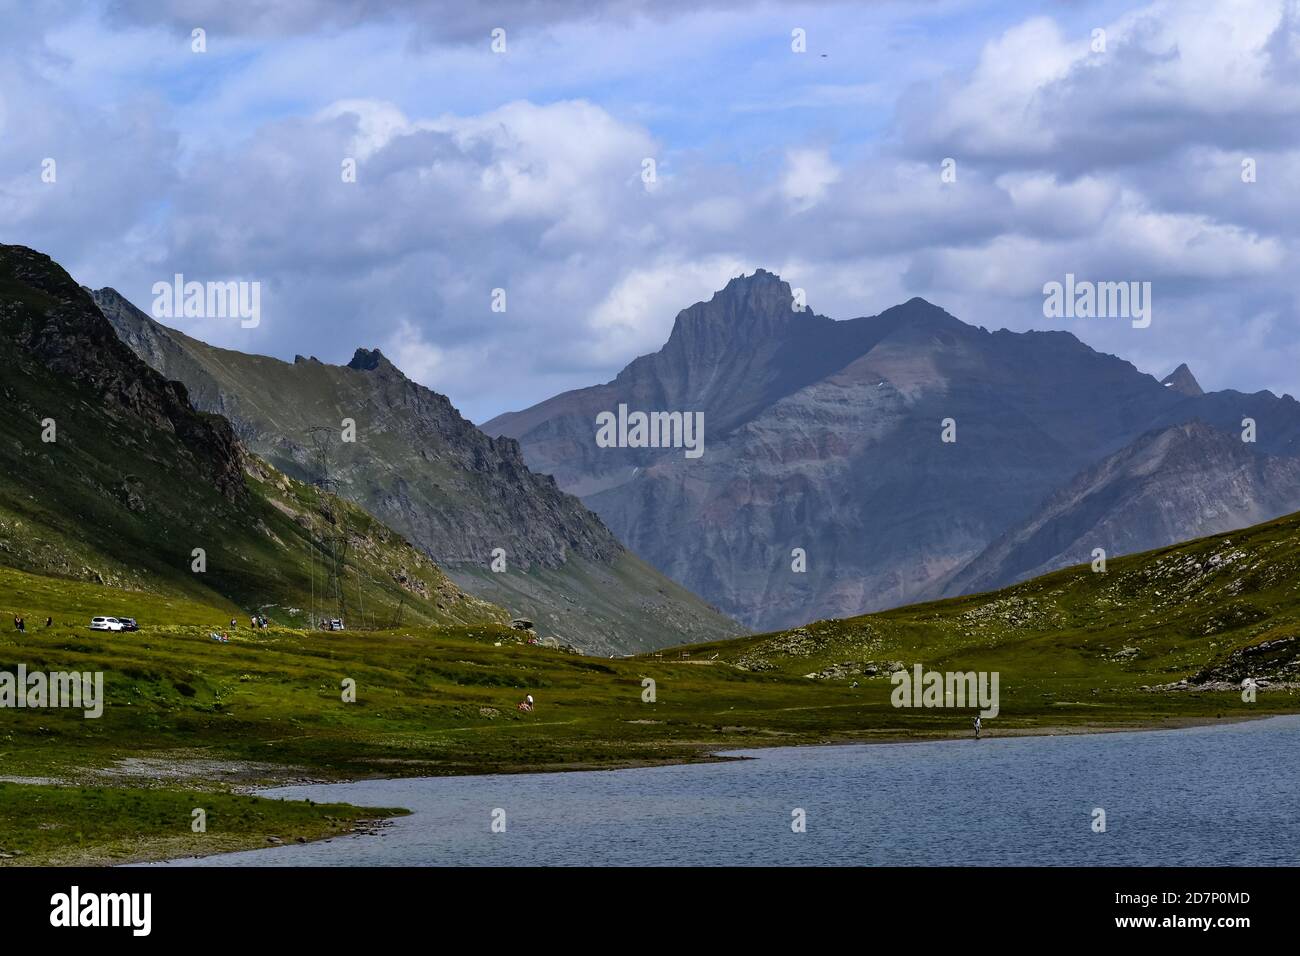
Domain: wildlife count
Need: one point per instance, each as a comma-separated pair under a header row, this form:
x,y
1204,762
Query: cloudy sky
x,y
1115,156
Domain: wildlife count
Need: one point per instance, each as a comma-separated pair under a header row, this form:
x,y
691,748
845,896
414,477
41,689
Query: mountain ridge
x,y
826,436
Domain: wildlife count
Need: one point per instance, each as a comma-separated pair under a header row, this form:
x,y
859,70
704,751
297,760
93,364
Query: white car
x,y
105,624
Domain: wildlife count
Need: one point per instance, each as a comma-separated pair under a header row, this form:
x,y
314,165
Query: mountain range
x,y
825,448
501,531
848,466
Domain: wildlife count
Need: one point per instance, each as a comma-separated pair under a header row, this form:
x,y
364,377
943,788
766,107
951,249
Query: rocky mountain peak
x,y
1183,381
747,297
918,313
747,306
760,281
368,360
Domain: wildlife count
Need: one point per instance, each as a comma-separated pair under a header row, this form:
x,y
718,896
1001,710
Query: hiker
x,y
233,624
49,622
22,625
977,726
527,704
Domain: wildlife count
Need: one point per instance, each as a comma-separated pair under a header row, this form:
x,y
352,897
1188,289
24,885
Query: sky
x,y
965,152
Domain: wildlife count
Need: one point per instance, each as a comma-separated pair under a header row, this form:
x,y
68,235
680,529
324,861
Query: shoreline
x,y
201,775
712,753
718,756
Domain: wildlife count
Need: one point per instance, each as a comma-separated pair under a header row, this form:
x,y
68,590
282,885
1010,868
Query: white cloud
x,y
376,124
808,174
1171,74
998,108
407,348
637,314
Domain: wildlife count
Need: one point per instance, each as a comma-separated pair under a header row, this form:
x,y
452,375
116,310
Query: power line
x,y
322,440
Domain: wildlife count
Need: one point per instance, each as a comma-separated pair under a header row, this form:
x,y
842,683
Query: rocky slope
x,y
1174,484
825,436
107,474
422,468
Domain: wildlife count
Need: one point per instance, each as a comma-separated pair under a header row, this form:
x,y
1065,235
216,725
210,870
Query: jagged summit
x,y
746,300
367,360
748,312
757,280
759,306
1182,380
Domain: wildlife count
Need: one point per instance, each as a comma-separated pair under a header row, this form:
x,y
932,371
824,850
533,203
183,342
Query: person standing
x,y
977,726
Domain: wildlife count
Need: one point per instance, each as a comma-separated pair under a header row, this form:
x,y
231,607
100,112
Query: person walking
x,y
977,726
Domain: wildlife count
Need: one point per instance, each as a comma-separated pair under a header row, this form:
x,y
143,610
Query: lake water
x,y
1227,794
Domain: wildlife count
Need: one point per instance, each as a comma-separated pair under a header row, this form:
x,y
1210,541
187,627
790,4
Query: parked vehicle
x,y
105,624
129,624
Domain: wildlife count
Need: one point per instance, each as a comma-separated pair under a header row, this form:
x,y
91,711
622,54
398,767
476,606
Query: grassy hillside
x,y
1216,609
